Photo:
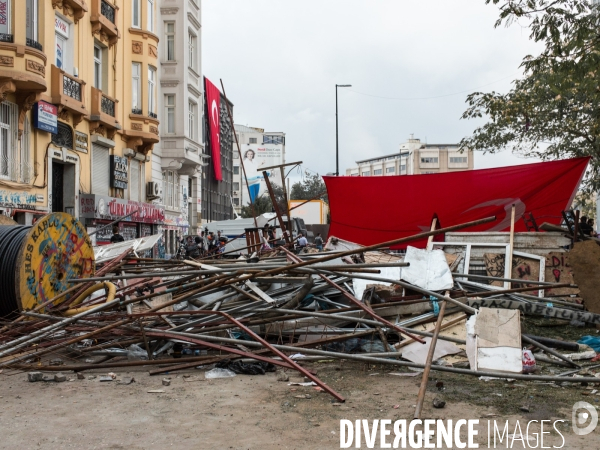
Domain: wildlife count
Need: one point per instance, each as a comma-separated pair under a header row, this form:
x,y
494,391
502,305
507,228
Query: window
x,y
236,201
171,188
366,174
170,113
31,28
192,123
5,15
236,169
354,174
152,92
25,172
62,50
98,67
150,25
236,186
136,88
136,14
136,180
8,140
403,168
170,33
390,170
252,141
64,137
429,160
273,139
377,171
458,160
192,50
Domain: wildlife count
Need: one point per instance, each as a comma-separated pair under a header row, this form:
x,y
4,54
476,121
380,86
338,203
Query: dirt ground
x,y
259,412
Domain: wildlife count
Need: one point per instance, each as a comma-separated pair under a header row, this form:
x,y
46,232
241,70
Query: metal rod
x,y
113,222
393,362
428,362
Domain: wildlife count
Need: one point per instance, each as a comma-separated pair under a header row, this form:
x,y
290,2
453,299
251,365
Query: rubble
x,y
283,310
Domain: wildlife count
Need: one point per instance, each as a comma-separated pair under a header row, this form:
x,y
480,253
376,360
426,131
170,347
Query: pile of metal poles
x,y
183,314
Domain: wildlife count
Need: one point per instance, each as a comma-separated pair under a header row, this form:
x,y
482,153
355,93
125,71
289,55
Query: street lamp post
x,y
337,152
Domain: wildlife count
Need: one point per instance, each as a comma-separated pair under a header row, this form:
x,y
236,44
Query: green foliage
x,y
263,203
554,110
311,188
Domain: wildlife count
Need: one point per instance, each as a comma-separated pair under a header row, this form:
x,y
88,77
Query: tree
x,y
311,188
554,110
263,204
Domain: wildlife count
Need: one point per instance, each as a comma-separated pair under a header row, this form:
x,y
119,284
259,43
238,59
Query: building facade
x,y
178,158
78,116
415,158
216,201
259,149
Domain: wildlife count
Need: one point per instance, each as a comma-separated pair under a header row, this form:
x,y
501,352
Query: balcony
x,y
103,110
104,19
68,93
6,38
75,8
153,115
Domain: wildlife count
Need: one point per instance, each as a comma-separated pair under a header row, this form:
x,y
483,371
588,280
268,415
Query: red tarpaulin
x,y
213,102
369,210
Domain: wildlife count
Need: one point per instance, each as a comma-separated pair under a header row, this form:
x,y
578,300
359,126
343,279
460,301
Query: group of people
x,y
208,243
587,226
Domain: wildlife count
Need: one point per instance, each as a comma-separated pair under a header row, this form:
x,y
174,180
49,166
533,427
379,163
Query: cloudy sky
x,y
280,61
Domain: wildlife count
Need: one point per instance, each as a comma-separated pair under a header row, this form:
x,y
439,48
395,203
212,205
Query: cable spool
x,y
11,241
36,261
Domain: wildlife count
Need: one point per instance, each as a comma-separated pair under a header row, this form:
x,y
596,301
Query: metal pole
x,y
240,154
113,222
428,362
337,157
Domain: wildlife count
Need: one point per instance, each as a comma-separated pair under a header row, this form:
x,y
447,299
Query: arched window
x,y
64,137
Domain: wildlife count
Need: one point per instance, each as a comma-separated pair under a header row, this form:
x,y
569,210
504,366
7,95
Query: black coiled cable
x,y
11,243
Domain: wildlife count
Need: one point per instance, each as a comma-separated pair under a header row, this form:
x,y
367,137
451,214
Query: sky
x,y
280,61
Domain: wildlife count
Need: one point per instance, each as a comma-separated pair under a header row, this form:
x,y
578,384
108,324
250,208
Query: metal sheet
x,y
428,269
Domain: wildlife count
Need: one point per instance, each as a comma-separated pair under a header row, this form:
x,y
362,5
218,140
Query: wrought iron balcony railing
x,y
34,44
72,88
107,106
107,11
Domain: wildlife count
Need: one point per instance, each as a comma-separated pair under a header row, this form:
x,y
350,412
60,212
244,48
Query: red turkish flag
x,y
213,102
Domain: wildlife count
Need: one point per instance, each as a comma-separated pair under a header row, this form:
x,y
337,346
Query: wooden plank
x,y
254,288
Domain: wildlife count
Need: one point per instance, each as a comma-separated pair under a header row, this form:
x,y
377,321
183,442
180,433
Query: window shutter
x,y
100,170
134,182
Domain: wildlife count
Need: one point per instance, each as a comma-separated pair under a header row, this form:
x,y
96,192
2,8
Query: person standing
x,y
319,242
302,242
116,237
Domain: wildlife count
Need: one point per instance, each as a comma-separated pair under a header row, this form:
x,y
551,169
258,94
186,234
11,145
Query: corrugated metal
x,y
100,170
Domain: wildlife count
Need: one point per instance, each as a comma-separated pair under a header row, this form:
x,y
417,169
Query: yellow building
x,y
78,111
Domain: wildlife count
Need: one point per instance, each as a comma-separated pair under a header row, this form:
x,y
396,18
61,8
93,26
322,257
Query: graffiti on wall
x,y
18,200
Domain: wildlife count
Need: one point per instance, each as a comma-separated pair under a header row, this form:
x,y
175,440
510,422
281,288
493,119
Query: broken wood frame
x,y
507,272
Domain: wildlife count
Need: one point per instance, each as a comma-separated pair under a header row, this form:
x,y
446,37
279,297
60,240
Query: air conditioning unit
x,y
153,190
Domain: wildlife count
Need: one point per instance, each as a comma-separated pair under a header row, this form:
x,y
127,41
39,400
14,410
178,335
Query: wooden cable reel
x,y
56,249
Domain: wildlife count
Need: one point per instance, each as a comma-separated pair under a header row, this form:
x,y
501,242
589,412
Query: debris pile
x,y
445,308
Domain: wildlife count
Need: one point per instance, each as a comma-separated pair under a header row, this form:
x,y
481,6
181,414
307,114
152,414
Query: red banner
x,y
370,210
213,102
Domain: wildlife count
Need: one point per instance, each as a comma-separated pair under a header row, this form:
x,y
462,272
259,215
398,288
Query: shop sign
x,y
93,206
81,142
45,117
118,172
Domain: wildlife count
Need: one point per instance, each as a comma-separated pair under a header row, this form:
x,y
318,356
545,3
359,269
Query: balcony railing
x,y
107,106
72,88
107,11
153,115
34,44
136,111
6,37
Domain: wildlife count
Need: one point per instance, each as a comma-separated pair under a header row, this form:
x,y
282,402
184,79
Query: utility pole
x,y
337,152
